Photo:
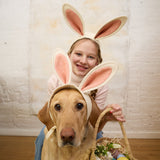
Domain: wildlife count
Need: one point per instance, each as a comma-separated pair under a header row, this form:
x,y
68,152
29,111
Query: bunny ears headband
x,y
94,79
75,21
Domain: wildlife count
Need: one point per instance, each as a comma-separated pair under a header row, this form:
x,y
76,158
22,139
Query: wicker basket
x,y
125,146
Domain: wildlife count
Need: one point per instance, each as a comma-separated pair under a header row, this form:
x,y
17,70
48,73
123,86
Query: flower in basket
x,y
108,151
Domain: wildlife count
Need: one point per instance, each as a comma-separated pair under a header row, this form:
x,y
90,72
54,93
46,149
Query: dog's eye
x,y
57,107
79,106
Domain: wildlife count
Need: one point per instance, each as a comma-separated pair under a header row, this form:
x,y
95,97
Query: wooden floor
x,y
22,148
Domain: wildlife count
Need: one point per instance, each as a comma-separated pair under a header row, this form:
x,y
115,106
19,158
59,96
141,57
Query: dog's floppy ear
x,y
44,117
94,113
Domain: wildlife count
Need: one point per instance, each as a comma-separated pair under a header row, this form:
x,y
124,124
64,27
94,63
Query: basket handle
x,y
122,129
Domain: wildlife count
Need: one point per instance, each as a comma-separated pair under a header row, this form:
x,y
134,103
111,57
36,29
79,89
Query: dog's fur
x,y
68,117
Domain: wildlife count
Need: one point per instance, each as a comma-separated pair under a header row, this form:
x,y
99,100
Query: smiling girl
x,y
84,55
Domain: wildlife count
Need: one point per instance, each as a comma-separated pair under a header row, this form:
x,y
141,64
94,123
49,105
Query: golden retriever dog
x,y
73,137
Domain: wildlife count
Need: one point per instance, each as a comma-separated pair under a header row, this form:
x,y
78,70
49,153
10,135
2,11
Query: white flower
x,y
116,145
109,156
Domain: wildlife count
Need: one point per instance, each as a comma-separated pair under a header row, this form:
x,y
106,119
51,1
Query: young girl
x,y
84,55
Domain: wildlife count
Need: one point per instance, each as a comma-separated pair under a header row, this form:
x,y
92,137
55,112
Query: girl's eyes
x,y
91,57
80,54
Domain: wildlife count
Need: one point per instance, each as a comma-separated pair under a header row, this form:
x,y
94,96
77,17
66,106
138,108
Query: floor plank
x,y
22,148
146,149
17,148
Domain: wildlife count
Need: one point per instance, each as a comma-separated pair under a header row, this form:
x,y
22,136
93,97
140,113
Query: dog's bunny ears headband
x,y
75,21
94,79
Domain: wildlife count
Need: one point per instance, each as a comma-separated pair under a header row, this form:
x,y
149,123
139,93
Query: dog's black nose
x,y
67,135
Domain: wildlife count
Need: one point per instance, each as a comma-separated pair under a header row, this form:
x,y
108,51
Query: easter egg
x,y
122,158
120,155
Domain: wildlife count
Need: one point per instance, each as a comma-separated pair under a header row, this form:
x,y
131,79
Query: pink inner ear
x,y
62,67
97,78
108,28
74,21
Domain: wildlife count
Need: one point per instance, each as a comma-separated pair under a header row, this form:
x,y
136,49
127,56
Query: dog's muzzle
x,y
67,136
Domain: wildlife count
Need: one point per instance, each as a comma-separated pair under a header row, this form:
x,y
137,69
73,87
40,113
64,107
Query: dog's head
x,y
68,110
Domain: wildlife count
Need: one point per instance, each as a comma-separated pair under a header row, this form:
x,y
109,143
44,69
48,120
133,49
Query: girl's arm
x,y
115,113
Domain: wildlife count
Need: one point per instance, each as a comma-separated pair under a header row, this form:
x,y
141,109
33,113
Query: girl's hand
x,y
115,113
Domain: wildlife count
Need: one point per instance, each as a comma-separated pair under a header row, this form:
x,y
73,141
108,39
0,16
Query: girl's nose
x,y
83,60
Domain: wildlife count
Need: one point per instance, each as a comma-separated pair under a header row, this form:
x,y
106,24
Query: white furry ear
x,y
62,67
111,27
73,18
98,76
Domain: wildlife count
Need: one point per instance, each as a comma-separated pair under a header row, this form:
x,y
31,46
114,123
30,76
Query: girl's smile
x,y
81,67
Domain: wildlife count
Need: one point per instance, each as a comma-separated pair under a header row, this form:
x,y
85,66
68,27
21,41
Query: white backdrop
x,y
32,30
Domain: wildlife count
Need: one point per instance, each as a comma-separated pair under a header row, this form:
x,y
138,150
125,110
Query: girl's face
x,y
83,57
